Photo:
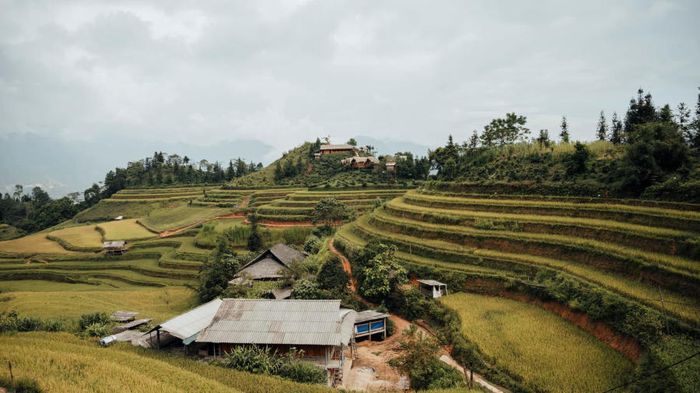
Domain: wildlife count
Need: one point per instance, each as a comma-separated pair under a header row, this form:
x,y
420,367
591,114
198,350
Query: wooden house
x,y
270,265
431,288
360,162
333,149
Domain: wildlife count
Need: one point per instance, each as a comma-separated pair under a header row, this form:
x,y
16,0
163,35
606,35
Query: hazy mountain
x,y
391,146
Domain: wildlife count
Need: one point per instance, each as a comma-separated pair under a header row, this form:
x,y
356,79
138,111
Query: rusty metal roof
x,y
290,322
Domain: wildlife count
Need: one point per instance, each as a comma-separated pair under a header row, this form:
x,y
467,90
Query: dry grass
x,y
73,300
80,236
33,244
125,230
64,363
547,351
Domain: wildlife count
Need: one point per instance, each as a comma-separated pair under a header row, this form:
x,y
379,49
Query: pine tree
x,y
615,129
683,120
564,130
602,127
474,140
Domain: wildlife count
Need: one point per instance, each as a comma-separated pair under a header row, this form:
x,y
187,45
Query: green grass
x,y
682,306
8,232
61,363
543,243
669,218
108,209
180,216
547,351
125,230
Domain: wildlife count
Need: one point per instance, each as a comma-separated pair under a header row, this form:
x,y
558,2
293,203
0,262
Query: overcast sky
x,y
201,72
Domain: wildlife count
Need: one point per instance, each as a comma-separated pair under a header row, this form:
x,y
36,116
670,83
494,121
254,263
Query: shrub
x,y
331,275
260,360
13,322
312,244
302,371
20,385
98,318
96,330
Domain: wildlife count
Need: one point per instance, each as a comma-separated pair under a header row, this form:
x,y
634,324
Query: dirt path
x,y
352,284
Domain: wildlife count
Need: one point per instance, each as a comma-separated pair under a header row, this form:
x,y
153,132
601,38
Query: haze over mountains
x,y
60,165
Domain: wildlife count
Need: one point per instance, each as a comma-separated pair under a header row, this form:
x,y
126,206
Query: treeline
x,y
37,210
652,147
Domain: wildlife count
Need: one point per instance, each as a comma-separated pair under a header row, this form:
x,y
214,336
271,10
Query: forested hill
x,y
299,167
653,153
33,210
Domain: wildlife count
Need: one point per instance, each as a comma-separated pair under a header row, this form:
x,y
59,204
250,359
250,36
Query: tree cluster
x,y
37,210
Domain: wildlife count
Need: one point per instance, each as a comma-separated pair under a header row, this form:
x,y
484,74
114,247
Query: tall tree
x,y
505,131
615,129
564,134
641,110
602,131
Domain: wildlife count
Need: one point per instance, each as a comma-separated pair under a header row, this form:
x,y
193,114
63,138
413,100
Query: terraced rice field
x,y
61,362
125,230
630,249
85,237
297,206
180,216
37,243
550,353
46,299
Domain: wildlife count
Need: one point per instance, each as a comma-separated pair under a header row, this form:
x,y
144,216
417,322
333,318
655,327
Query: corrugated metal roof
x,y
338,147
369,315
192,322
291,322
431,282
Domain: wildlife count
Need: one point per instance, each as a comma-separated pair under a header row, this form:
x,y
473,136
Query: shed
x,y
117,247
432,288
360,162
369,323
269,265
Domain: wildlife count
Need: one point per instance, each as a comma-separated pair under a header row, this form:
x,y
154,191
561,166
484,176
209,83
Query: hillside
x,y
298,167
616,268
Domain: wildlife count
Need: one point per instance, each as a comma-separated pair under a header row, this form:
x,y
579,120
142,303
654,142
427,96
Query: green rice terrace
x,y
607,282
585,259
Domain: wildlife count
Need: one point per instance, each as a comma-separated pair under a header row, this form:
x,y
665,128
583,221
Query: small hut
x,y
114,247
432,288
370,323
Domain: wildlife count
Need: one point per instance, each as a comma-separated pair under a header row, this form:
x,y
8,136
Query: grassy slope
x,y
8,232
80,236
62,300
33,244
179,216
547,351
125,230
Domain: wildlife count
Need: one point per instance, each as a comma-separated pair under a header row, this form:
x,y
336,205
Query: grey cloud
x,y
284,71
